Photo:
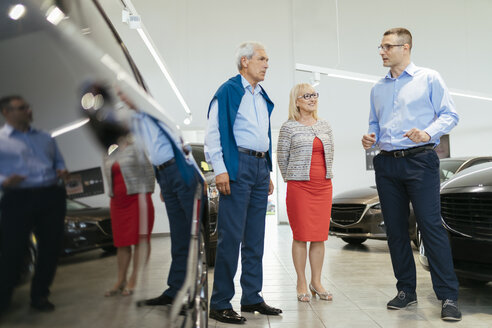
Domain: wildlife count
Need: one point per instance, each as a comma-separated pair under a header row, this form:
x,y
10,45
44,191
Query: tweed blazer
x,y
136,169
295,148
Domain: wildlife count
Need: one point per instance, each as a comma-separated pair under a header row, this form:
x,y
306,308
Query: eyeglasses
x,y
308,96
22,107
387,47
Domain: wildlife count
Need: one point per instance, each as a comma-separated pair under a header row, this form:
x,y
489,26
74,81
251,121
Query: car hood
x,y
90,214
367,195
475,176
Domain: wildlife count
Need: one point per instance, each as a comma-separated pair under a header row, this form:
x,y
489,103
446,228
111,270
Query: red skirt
x,y
131,215
309,202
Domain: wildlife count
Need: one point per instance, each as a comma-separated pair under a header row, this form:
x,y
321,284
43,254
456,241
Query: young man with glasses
x,y
410,110
31,168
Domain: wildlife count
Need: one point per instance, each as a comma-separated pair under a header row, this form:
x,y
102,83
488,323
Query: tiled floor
x,y
360,278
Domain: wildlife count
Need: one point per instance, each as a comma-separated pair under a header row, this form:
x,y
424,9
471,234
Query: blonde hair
x,y
294,93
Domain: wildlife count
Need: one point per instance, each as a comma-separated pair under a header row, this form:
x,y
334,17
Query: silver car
x,y
356,214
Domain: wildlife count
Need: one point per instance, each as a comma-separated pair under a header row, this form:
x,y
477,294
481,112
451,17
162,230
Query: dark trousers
x,y
39,210
415,178
179,199
241,224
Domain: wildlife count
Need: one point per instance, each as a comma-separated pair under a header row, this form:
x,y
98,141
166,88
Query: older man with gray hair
x,y
238,144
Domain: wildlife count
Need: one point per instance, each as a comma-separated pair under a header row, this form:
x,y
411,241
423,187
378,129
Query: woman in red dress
x,y
131,182
305,158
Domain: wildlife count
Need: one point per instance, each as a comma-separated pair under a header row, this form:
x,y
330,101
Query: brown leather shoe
x,y
262,307
227,315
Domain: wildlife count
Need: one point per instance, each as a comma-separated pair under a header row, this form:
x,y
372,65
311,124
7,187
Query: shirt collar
x,y
8,129
409,70
247,85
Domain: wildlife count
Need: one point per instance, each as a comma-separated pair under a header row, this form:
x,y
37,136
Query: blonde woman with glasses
x,y
305,158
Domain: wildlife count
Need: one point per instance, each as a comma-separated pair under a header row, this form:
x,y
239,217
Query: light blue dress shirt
x,y
250,127
418,98
33,154
156,142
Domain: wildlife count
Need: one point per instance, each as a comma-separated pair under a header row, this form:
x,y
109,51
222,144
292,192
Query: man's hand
x,y
161,197
62,174
222,183
417,135
368,140
270,188
13,180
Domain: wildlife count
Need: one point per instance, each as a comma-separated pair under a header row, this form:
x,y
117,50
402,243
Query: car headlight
x,y
376,206
213,192
74,225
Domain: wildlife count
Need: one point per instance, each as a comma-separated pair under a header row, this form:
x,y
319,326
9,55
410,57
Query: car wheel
x,y
29,262
201,300
210,250
354,241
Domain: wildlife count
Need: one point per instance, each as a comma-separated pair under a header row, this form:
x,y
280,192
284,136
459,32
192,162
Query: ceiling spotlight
x,y
187,120
17,11
54,15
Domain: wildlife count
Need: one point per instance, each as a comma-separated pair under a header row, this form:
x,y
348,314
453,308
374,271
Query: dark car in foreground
x,y
466,210
356,214
211,209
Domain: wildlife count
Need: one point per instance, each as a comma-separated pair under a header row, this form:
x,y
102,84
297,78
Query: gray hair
x,y
247,49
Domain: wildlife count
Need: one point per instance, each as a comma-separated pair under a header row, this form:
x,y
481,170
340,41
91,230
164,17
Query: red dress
x,y
126,211
309,202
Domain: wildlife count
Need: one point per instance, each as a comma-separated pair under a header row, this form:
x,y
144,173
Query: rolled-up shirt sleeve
x,y
444,109
213,148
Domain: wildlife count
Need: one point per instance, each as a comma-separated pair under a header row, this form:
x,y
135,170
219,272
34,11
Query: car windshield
x,y
73,205
448,168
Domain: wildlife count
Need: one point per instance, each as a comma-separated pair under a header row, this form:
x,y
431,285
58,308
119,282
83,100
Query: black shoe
x,y
402,300
262,307
43,305
161,300
227,315
450,311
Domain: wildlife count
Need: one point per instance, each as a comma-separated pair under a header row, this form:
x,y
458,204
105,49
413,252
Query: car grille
x,y
468,213
346,214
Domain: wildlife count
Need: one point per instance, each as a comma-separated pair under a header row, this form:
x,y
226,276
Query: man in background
x,y
34,200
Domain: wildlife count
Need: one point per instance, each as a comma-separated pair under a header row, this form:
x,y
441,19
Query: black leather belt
x,y
166,164
257,154
407,152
